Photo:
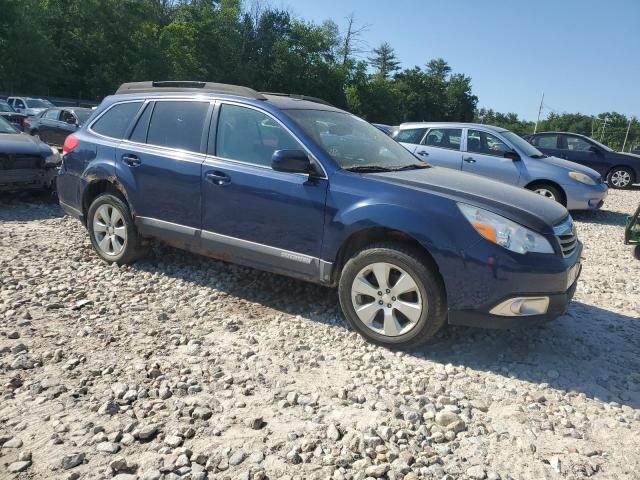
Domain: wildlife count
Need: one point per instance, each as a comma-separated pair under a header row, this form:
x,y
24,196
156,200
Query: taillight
x,y
70,143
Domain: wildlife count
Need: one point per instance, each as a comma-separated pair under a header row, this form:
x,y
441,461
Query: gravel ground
x,y
184,367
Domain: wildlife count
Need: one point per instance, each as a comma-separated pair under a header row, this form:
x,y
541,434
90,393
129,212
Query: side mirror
x,y
292,161
512,155
594,149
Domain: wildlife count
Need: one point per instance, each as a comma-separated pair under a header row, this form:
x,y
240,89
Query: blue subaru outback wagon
x,y
292,185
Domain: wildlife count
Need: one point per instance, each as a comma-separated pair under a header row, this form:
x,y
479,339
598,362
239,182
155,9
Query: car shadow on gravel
x,y
589,350
28,206
601,217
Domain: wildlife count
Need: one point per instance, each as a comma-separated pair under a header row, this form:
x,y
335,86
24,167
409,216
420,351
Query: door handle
x,y
131,160
423,153
218,178
470,160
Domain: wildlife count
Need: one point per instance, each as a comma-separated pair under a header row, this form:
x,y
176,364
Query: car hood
x,y
20,143
517,204
569,166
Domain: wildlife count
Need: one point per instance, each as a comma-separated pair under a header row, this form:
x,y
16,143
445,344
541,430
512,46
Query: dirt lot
x,y
183,367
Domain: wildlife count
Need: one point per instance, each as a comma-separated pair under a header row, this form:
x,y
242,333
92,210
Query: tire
x,y
636,252
388,326
122,244
620,178
549,191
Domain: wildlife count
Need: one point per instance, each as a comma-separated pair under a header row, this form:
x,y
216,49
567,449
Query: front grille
x,y
17,161
567,236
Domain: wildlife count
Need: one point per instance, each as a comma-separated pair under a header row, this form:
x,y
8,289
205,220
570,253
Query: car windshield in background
x,y
5,107
353,143
37,103
5,127
524,146
83,115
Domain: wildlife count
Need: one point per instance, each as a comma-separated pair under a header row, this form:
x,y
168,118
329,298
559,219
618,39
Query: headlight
x,y
582,178
503,232
53,159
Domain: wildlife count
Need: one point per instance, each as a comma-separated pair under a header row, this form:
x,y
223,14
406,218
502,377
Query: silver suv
x,y
29,106
502,155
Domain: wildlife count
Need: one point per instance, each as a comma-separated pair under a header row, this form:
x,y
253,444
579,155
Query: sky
x,y
583,54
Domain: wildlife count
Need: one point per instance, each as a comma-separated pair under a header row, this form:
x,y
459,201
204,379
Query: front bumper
x,y
585,197
27,179
482,277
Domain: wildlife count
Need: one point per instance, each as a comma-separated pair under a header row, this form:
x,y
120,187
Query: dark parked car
x,y
621,170
54,124
250,178
10,115
26,163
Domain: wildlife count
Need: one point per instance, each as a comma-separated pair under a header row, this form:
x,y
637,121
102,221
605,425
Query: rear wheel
x,y
392,295
112,231
548,191
620,177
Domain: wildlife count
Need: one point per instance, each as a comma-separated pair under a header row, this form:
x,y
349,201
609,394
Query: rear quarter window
x,y
410,135
115,122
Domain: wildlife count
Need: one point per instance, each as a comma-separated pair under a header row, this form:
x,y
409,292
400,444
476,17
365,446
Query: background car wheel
x,y
112,231
549,191
620,177
393,295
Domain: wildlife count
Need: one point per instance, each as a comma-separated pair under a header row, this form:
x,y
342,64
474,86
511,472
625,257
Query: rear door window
x,y
116,121
178,124
449,138
410,135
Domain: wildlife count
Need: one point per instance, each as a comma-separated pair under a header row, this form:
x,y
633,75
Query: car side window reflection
x,y
486,144
250,136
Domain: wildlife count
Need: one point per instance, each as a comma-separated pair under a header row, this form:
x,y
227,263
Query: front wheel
x,y
392,295
548,191
112,231
620,177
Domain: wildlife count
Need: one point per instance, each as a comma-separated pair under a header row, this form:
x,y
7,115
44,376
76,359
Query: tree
x,y
384,60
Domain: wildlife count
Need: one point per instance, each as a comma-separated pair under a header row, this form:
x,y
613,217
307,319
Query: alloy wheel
x,y
545,193
109,230
386,299
620,178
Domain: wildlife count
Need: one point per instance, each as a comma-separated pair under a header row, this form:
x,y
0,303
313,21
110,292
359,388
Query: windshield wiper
x,y
413,166
369,168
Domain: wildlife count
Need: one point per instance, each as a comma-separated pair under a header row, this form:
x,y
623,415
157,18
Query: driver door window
x,y
247,135
68,117
577,144
486,144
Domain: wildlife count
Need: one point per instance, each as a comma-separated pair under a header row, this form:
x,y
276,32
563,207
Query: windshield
x,y
5,127
352,142
37,103
82,115
5,107
601,145
524,146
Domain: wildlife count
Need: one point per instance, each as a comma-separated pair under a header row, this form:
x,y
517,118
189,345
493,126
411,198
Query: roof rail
x,y
188,86
299,97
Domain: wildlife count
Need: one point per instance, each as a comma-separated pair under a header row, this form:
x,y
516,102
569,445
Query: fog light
x,y
522,307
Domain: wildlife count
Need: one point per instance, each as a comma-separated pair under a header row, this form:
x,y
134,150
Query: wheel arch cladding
x,y
99,186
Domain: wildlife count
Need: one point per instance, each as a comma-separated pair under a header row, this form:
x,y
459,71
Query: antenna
x,y
535,129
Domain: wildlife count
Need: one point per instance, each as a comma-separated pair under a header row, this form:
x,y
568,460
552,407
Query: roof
x,y
452,125
558,133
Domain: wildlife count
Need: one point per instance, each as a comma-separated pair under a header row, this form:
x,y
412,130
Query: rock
x,y
151,475
237,457
13,334
255,423
173,441
23,362
109,408
15,442
146,432
294,457
108,447
20,466
477,472
377,471
201,413
333,433
444,418
73,460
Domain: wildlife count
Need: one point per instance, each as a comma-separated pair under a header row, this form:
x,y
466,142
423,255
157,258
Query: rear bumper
x,y
27,179
585,197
